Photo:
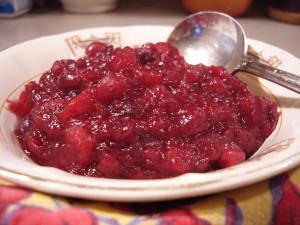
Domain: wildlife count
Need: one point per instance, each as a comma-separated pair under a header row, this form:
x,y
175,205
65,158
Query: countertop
x,y
52,19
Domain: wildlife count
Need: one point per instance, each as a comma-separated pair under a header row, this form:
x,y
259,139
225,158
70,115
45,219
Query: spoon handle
x,y
283,78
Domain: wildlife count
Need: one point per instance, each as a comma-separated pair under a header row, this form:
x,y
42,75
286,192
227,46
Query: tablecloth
x,y
273,202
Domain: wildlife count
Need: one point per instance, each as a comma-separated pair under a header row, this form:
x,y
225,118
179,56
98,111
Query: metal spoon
x,y
214,38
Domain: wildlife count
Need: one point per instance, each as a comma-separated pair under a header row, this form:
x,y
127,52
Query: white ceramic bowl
x,y
26,61
89,6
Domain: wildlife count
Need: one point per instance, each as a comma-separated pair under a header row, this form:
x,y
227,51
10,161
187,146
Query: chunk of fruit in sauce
x,y
140,113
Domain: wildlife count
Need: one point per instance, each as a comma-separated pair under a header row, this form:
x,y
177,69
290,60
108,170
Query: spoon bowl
x,y
215,38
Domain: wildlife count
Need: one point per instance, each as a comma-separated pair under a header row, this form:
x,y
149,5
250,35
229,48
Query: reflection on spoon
x,y
214,38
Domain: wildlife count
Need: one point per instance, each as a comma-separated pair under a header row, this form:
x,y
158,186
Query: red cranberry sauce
x,y
140,113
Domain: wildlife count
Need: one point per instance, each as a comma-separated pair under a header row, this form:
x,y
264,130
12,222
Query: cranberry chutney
x,y
139,113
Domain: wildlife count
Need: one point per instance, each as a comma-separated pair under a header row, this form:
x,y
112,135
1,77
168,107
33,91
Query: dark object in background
x,y
12,9
285,10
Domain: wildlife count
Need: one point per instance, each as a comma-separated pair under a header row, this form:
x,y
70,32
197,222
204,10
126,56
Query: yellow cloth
x,y
272,202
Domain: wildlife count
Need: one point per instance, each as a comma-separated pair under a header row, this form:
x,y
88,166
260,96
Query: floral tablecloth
x,y
272,202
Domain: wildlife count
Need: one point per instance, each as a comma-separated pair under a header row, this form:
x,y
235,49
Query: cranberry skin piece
x,y
219,112
231,157
80,105
95,48
69,81
246,139
34,140
57,68
157,97
147,77
109,166
26,100
46,117
147,53
191,120
123,58
111,87
253,109
115,129
195,73
216,87
80,143
178,161
161,126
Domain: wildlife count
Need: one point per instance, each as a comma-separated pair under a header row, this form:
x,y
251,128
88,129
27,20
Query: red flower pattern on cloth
x,y
285,201
9,196
40,216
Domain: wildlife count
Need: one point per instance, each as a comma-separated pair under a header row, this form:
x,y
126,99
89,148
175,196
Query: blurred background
x,y
261,19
